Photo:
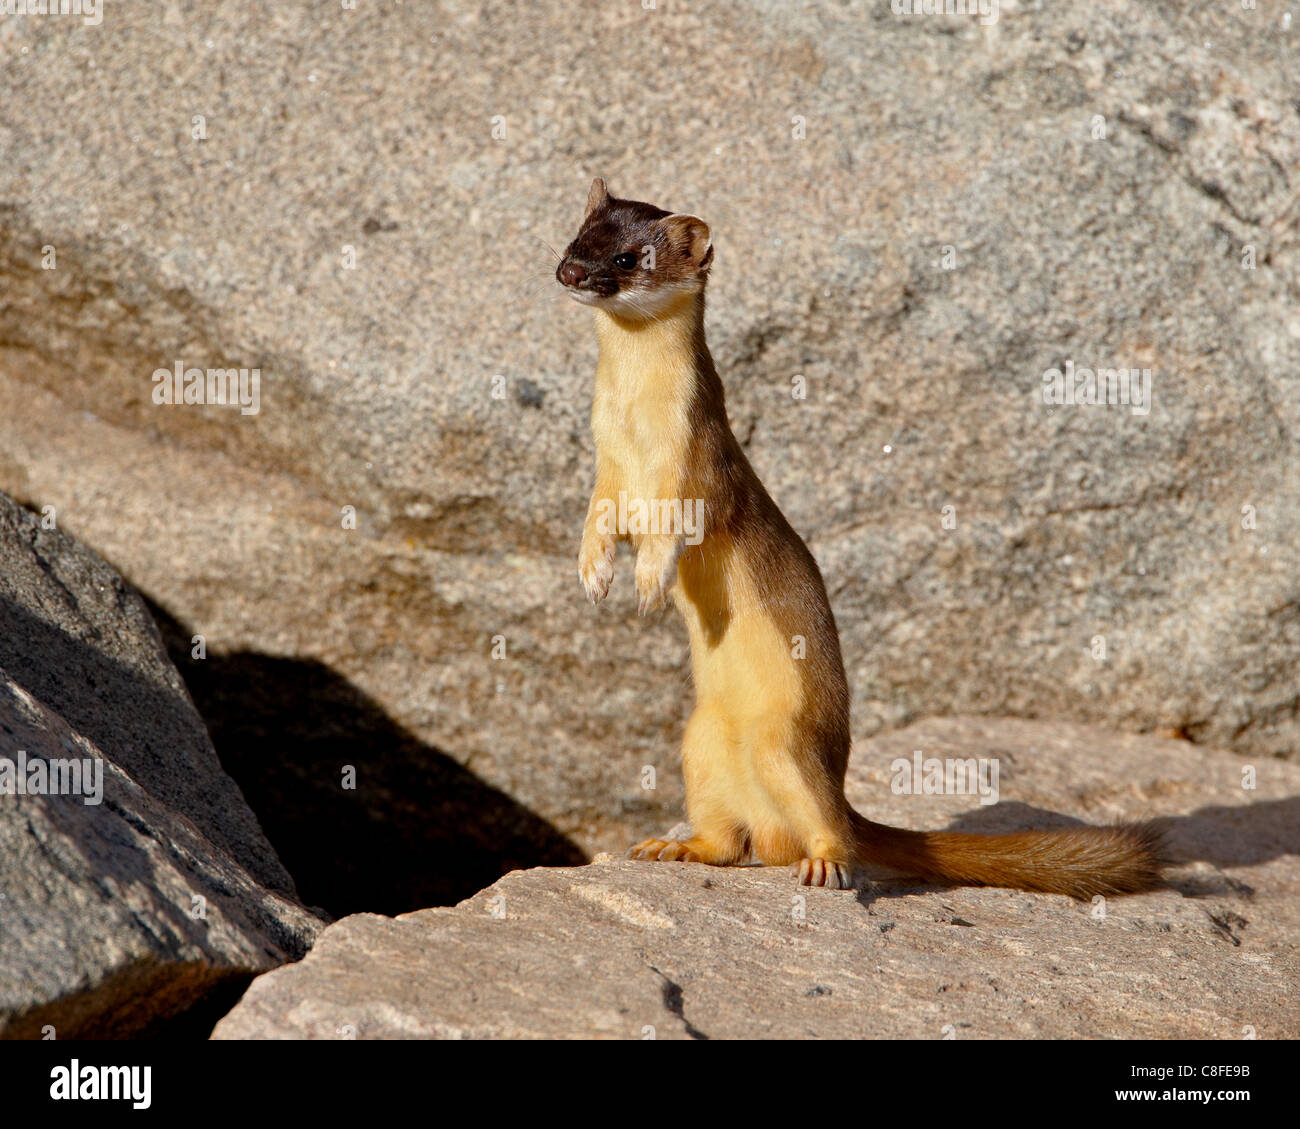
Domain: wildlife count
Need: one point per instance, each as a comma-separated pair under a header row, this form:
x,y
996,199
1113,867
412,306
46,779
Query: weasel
x,y
765,751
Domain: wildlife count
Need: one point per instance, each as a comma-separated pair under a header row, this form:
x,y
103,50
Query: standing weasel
x,y
766,748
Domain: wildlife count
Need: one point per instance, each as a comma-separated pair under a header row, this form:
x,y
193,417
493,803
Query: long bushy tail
x,y
1081,861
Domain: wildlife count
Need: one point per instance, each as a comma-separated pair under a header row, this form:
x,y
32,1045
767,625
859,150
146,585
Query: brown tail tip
x,y
1080,861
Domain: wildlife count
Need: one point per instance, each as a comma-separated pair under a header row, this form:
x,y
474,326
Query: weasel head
x,y
635,260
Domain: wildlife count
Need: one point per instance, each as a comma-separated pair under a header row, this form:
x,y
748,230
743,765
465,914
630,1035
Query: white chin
x,y
636,305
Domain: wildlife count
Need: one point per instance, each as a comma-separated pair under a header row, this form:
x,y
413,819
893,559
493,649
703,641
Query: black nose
x,y
571,274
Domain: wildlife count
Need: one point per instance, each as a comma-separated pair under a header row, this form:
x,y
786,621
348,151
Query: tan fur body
x,y
766,749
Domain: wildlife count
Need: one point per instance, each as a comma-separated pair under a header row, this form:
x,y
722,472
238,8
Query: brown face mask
x,y
632,259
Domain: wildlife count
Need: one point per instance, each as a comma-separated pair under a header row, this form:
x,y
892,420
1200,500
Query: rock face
x,y
354,205
147,888
633,950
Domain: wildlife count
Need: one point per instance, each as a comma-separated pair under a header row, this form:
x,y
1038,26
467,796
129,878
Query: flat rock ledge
x,y
628,950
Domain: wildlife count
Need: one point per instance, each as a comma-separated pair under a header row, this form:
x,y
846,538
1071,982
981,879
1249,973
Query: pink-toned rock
x,y
627,950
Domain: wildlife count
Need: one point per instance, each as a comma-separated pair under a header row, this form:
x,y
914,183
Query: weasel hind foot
x,y
823,872
663,850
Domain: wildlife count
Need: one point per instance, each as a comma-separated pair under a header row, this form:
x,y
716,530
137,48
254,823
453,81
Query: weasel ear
x,y
691,234
596,196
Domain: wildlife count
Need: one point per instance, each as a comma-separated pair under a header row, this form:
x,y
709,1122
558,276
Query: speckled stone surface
x,y
622,949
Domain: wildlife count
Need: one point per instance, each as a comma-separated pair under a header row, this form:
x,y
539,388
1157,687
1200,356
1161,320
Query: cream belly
x,y
749,691
639,413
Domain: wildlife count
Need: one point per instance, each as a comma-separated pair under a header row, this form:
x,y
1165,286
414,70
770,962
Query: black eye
x,y
625,261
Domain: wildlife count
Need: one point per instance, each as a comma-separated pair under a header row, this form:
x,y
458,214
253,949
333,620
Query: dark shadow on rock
x,y
418,830
1237,835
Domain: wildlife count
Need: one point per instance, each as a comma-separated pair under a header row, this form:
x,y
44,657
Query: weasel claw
x,y
662,850
822,872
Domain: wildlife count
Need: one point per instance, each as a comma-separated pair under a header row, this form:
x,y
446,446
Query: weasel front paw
x,y
596,566
662,850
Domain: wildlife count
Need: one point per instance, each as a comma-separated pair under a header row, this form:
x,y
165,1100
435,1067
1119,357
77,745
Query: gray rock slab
x,y
143,885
